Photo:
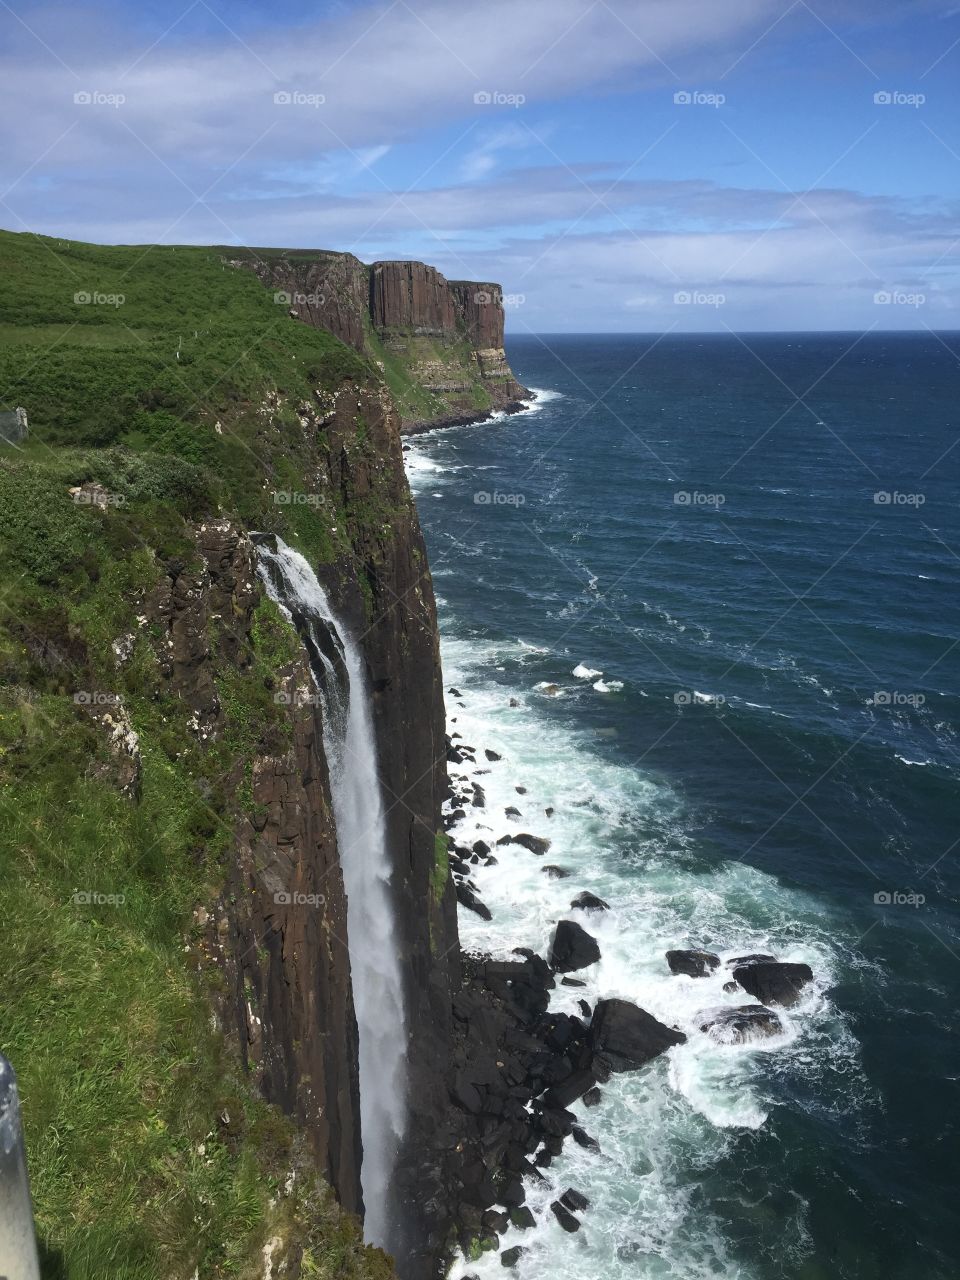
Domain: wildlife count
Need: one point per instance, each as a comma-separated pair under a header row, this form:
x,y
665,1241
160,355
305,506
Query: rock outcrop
x,y
439,343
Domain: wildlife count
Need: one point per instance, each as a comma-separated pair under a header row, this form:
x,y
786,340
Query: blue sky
x,y
643,165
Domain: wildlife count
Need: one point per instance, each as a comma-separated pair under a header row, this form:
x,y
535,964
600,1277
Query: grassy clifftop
x,y
164,391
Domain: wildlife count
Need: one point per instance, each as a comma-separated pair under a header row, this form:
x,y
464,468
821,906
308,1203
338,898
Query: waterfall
x,y
348,737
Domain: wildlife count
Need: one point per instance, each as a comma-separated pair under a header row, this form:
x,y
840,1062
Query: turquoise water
x,y
720,578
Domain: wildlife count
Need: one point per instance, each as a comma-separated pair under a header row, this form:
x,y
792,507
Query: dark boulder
x,y
521,791
510,1257
694,964
570,1089
565,1217
742,1024
758,957
554,873
535,844
467,898
583,1139
513,1194
592,1098
523,1218
496,1220
574,1200
572,982
512,811
774,983
491,755
589,902
479,797
628,1036
729,986
481,847
573,948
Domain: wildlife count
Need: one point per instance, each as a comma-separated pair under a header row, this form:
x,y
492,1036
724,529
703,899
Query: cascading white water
x,y
350,745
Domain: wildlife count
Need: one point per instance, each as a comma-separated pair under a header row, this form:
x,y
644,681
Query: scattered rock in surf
x,y
585,1008
521,791
514,702
535,844
627,1036
467,898
523,1220
479,796
510,1257
759,957
589,902
572,982
543,1159
742,1024
573,948
555,873
565,1217
491,755
512,811
693,964
551,690
593,1097
776,983
574,1200
583,1139
730,986
481,847
549,811
455,693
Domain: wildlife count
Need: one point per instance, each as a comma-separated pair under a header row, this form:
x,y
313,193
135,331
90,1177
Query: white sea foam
x,y
608,686
583,672
624,837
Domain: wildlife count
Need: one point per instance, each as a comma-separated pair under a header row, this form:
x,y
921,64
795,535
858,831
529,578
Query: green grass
x,y
150,1156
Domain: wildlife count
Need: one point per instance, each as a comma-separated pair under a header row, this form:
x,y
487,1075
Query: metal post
x,y
18,1245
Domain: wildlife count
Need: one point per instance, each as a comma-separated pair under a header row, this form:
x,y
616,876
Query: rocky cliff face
x,y
438,344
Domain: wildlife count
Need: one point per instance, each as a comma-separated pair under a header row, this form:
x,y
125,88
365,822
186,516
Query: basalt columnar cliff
x,y
178,998
438,342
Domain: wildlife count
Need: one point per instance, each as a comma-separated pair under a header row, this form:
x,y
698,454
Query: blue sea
x,y
702,599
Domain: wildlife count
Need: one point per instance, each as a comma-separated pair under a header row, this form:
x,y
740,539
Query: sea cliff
x,y
439,344
179,1003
